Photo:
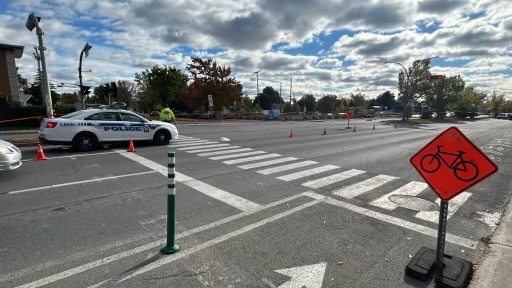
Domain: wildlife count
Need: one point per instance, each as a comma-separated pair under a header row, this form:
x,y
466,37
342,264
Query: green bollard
x,y
171,246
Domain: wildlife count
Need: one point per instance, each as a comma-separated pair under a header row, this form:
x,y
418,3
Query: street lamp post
x,y
85,51
408,83
31,23
257,87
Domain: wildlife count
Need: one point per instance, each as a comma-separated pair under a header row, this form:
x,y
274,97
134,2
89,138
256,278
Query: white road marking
x,y
74,156
453,205
266,163
207,189
412,188
78,182
192,145
359,188
212,149
314,184
286,167
395,221
154,244
225,151
203,146
236,161
308,172
185,253
236,155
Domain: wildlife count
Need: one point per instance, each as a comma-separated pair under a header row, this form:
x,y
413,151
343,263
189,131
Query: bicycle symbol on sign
x,y
464,170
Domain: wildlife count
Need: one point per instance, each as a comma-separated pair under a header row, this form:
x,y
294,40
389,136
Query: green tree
x,y
443,93
159,86
307,103
327,103
386,100
469,100
267,98
125,92
496,103
69,98
357,100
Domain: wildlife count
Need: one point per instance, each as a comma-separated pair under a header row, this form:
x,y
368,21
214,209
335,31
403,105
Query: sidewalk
x,y
14,136
495,270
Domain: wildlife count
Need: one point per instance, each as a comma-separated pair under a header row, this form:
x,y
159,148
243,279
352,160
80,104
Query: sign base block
x,y
456,271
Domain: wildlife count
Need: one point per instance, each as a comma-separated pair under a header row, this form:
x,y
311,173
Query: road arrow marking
x,y
310,276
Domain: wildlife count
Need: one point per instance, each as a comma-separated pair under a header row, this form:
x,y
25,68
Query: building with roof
x,y
9,86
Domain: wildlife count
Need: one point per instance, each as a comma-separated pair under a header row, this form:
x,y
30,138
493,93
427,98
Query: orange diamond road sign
x,y
451,163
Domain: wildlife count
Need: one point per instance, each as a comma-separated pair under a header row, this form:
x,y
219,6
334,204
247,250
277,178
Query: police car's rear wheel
x,y
162,137
85,141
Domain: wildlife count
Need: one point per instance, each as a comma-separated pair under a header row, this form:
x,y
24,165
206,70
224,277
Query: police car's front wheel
x,y
85,141
162,137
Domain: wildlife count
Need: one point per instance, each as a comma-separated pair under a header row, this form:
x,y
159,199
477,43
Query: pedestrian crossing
x,y
329,177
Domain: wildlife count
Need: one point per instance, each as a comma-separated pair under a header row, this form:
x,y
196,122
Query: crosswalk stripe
x,y
225,151
212,149
412,188
286,167
205,145
359,188
266,163
453,205
192,143
332,179
242,160
306,173
236,155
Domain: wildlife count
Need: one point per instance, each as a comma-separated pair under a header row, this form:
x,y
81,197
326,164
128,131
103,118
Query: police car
x,y
86,129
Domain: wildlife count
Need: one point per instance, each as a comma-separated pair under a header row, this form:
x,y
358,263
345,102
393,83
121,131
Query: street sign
x,y
210,100
349,114
451,163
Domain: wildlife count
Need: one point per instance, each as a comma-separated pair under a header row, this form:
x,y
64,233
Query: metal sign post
x,y
441,238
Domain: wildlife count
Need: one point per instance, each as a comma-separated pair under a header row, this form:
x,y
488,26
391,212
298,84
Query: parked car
x,y
10,156
84,130
154,113
200,115
502,116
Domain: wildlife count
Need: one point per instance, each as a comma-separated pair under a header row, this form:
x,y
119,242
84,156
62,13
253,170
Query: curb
x,y
494,270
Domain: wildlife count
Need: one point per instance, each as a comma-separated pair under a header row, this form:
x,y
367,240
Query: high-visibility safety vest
x,y
166,114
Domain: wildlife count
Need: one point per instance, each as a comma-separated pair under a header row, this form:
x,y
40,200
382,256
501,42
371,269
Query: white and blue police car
x,y
84,130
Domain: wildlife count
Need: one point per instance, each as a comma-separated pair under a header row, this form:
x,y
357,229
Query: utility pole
x,y
257,87
31,23
290,91
38,58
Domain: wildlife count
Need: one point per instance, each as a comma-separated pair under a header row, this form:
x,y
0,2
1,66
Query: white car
x,y
10,156
86,129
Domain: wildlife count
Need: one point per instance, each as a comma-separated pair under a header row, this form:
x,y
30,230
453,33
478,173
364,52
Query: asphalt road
x,y
310,210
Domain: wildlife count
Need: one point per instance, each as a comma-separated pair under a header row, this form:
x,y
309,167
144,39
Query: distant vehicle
x,y
200,115
84,130
10,156
502,116
154,113
182,115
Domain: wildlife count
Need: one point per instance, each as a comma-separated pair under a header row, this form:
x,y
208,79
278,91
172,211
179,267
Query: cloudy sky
x,y
326,46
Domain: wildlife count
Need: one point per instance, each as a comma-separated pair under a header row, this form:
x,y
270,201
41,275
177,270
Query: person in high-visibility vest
x,y
167,115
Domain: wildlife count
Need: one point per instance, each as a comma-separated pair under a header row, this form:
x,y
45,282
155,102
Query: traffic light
x,y
113,89
434,77
84,90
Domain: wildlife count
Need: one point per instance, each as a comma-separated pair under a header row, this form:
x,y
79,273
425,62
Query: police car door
x,y
135,128
109,128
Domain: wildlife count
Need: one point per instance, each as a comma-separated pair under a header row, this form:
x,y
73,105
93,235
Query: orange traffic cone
x,y
354,130
130,146
40,153
373,127
325,131
291,133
